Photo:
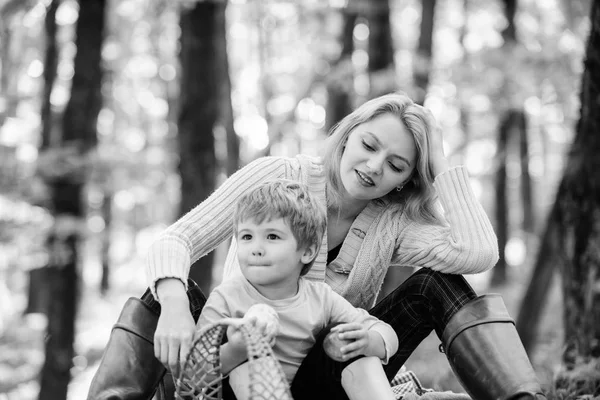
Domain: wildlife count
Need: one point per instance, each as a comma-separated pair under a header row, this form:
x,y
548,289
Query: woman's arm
x,y
207,225
467,244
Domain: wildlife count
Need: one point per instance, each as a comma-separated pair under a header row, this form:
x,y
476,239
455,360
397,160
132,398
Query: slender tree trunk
x,y
424,50
37,299
105,247
534,300
202,62
502,220
339,99
79,127
526,185
50,65
381,47
511,118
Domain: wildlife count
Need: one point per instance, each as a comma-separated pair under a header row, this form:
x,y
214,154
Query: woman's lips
x,y
364,179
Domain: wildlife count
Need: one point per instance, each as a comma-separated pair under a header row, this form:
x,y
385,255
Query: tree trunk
x,y
79,127
526,186
424,50
534,300
578,217
105,247
511,118
202,59
381,48
37,299
338,97
502,220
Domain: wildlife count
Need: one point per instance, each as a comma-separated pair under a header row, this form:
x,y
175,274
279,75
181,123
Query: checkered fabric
x,y
407,382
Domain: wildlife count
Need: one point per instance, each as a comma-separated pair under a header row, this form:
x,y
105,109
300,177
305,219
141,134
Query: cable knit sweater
x,y
380,236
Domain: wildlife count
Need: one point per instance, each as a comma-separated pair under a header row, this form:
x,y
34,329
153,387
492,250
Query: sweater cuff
x,y
168,257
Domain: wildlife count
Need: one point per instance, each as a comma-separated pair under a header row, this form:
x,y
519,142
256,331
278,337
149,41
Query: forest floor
x,y
22,341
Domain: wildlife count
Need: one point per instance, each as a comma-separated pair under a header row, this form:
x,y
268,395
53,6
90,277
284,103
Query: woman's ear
x,y
309,254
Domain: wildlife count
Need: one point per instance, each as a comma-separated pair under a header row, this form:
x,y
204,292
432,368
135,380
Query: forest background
x,y
118,116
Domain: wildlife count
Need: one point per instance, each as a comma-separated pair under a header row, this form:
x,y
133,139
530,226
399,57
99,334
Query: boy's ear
x,y
309,254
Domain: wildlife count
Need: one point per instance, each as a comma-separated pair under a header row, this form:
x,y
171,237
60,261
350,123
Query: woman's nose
x,y
375,165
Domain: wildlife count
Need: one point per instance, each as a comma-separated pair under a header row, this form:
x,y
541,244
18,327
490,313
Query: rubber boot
x,y
486,353
128,369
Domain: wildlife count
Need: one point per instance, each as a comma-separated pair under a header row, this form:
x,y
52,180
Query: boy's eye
x,y
246,237
368,146
272,236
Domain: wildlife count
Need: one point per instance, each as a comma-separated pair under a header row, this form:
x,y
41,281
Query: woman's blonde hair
x,y
418,195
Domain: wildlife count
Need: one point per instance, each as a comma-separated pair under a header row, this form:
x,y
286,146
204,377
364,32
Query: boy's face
x,y
268,254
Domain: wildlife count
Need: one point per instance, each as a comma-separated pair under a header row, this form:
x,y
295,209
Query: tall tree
x,y
66,180
573,232
37,299
339,102
424,50
203,59
512,131
578,218
381,48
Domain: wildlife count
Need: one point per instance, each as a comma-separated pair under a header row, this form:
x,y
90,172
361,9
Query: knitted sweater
x,y
380,236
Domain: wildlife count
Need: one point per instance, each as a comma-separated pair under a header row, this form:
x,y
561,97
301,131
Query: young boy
x,y
279,226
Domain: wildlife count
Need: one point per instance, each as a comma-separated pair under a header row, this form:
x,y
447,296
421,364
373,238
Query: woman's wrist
x,y
170,289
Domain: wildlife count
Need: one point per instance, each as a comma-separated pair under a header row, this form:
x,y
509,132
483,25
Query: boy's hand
x,y
265,320
235,339
346,341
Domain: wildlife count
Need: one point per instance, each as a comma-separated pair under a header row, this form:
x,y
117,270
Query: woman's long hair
x,y
418,196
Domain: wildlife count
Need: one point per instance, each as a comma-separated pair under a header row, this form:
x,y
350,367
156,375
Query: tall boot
x,y
128,369
486,353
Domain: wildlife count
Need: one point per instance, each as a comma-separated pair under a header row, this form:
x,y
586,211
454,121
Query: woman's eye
x,y
368,146
272,236
395,168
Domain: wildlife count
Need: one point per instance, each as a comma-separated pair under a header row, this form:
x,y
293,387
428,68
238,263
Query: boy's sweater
x,y
301,317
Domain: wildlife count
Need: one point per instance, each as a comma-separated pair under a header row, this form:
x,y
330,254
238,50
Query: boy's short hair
x,y
291,201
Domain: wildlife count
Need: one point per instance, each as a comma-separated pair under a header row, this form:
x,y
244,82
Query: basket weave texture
x,y
201,377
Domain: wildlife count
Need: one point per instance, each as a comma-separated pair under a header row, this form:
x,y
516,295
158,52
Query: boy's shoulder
x,y
235,282
317,288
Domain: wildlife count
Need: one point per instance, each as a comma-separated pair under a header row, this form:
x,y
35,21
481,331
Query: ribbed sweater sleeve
x,y
466,245
207,225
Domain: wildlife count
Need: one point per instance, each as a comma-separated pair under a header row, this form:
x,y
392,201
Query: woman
x,y
381,175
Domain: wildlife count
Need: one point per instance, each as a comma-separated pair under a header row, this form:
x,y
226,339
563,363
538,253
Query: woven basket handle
x,y
201,376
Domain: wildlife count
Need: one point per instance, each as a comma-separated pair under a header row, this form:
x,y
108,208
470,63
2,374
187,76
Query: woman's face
x,y
380,155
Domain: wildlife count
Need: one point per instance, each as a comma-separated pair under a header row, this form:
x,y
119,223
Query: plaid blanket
x,y
406,386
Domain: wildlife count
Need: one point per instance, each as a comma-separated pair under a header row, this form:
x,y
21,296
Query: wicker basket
x,y
201,376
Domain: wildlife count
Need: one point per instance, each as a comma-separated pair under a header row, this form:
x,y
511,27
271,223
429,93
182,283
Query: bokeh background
x,y
118,116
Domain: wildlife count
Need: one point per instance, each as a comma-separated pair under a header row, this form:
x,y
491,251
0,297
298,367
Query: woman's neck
x,y
347,207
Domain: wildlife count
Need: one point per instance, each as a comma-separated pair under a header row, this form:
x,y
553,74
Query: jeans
x,y
425,301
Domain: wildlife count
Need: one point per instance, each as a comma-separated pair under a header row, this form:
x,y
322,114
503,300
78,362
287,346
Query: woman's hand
x,y
175,329
436,142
